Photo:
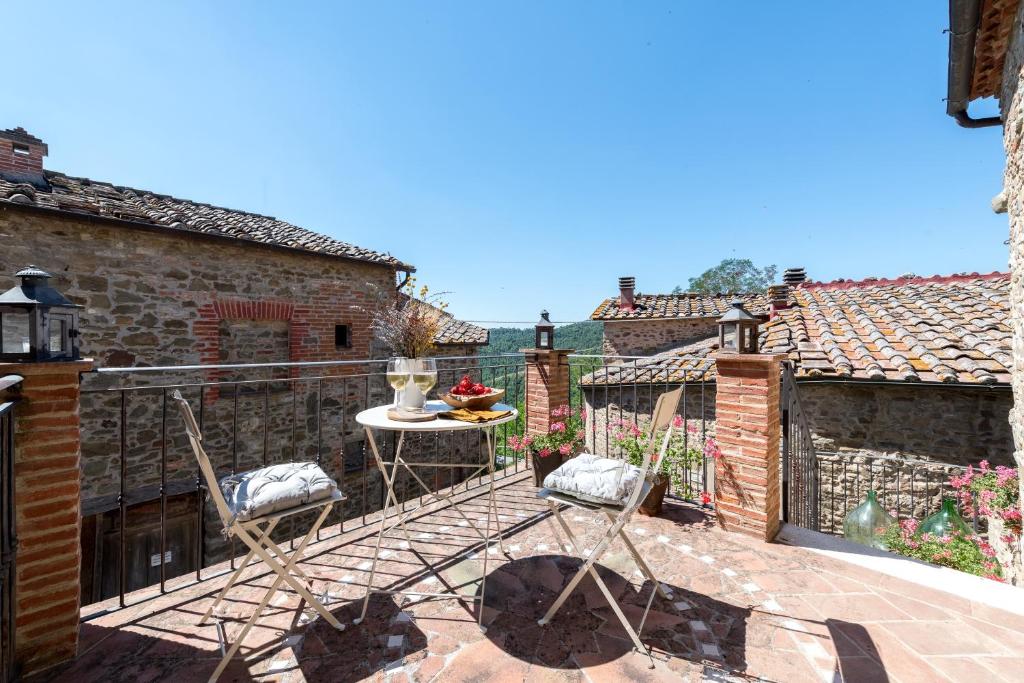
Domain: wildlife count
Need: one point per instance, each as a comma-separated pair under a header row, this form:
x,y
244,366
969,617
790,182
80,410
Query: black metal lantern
x,y
545,332
37,323
737,330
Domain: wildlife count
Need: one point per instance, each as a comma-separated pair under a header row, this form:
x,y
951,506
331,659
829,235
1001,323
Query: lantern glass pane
x,y
730,337
543,338
57,334
14,331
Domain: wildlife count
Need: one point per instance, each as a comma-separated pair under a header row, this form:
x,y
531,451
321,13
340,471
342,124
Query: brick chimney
x,y
794,276
21,155
626,287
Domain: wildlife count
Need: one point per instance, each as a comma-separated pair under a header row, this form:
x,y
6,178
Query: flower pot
x,y
411,397
543,466
651,507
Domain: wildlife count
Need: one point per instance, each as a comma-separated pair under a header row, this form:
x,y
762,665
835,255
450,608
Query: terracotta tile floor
x,y
741,610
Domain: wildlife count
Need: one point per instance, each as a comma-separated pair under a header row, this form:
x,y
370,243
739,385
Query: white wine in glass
x,y
398,375
424,374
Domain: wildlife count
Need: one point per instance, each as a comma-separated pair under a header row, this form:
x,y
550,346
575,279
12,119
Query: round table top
x,y
377,418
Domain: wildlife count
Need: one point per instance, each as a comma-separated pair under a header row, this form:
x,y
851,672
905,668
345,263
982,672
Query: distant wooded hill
x,y
584,337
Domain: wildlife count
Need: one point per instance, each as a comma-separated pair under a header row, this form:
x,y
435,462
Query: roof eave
x,y
164,229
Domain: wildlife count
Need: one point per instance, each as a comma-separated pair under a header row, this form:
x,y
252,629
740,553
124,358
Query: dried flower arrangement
x,y
407,323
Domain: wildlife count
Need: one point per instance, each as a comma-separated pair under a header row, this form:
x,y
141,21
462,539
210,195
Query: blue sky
x,y
525,155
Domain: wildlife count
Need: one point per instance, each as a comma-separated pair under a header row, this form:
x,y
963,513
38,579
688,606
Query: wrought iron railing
x,y
801,488
613,389
137,461
906,488
8,537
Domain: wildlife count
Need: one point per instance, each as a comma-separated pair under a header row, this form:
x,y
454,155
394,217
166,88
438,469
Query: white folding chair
x,y
618,515
260,499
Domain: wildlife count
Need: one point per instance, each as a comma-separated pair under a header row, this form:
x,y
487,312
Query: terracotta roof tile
x,y
938,329
81,195
686,305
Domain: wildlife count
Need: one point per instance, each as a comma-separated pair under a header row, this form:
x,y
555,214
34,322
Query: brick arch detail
x,y
206,329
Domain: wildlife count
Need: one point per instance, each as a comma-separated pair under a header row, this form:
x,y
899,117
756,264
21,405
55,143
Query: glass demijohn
x,y
866,523
946,521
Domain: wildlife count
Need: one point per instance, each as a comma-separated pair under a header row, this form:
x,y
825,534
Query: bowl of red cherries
x,y
472,395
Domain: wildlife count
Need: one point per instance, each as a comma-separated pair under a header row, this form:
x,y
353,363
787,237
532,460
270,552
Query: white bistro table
x,y
377,419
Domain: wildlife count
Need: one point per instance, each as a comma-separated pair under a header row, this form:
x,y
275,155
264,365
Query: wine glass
x,y
424,374
398,375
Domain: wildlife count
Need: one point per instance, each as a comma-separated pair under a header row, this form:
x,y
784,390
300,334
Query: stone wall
x,y
647,337
1011,101
950,425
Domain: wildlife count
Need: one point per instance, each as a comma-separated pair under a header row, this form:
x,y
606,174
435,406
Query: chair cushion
x,y
595,479
271,489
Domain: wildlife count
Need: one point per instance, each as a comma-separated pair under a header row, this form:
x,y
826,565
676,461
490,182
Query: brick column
x,y
47,480
748,431
547,386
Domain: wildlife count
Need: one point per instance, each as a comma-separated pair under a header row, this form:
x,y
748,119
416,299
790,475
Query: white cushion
x,y
279,487
595,479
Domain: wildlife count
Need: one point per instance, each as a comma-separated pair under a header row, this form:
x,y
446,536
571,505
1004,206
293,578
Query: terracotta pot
x,y
542,467
651,507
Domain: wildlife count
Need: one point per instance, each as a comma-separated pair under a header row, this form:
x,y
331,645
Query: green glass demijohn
x,y
946,521
866,523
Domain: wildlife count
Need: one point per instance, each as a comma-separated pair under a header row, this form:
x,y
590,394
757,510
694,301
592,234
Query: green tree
x,y
733,275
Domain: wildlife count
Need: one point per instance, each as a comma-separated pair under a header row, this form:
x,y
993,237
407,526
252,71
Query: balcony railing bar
x,y
283,364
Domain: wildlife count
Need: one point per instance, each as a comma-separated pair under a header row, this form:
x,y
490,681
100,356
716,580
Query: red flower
x,y
705,498
544,452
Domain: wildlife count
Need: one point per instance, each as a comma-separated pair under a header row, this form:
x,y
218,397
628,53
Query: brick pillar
x,y
47,480
547,386
748,431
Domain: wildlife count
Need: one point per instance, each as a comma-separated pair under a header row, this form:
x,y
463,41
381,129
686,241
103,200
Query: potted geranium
x,y
996,492
564,439
681,455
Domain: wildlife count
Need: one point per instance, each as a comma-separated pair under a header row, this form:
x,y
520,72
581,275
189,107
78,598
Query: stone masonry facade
x,y
645,337
1011,100
155,298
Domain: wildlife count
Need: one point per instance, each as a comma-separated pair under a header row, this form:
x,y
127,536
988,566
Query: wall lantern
x,y
545,332
37,324
737,330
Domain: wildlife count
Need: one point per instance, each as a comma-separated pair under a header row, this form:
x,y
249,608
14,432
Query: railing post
x,y
47,451
747,495
547,386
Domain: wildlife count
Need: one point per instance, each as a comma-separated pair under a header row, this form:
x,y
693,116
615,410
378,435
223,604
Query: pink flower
x,y
705,497
557,427
580,434
691,428
677,422
711,449
515,443
561,411
565,449
527,440
544,452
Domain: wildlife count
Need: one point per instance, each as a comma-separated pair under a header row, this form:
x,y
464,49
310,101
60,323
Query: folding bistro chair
x,y
250,505
616,488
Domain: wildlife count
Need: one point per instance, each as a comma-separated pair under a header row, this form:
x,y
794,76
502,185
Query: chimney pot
x,y
626,298
794,276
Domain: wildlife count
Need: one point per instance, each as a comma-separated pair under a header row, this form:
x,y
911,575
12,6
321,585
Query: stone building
x,y
894,376
986,59
171,282
642,324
